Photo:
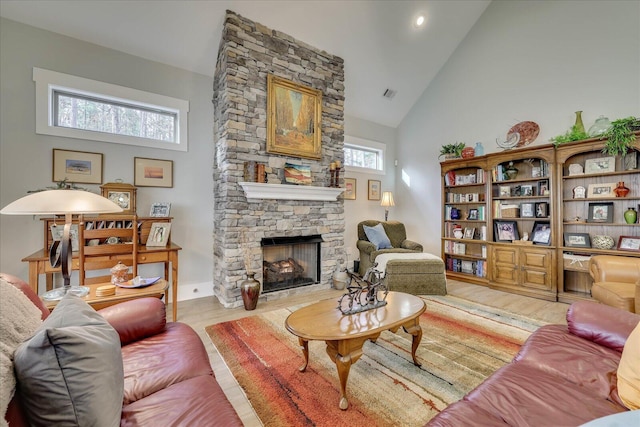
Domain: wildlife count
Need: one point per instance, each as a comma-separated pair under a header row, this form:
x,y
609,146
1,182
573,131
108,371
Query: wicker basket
x,y
510,213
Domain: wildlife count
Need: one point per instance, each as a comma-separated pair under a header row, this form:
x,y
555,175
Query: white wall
x,y
26,158
523,60
362,208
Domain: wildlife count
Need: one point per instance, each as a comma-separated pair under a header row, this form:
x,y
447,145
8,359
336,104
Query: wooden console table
x,y
168,255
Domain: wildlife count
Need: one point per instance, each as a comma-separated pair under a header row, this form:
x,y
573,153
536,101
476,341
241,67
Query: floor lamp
x,y
67,203
387,202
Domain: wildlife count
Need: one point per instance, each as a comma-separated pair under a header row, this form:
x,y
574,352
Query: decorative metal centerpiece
x,y
363,293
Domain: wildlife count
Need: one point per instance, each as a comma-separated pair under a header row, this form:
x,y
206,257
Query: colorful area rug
x,y
462,344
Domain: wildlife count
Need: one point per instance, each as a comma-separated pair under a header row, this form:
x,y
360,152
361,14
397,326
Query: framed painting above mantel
x,y
294,117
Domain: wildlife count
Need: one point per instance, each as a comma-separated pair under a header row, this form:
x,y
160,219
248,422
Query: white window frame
x,y
47,82
368,145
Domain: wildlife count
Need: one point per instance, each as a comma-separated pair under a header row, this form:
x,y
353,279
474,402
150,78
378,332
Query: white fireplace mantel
x,y
257,190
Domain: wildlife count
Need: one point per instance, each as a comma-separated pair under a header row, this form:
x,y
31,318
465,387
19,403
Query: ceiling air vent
x,y
389,93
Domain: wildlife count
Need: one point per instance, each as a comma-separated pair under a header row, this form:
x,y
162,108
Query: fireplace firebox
x,y
290,262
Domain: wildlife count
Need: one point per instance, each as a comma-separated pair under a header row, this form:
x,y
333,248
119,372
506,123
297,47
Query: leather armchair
x,y
397,235
616,281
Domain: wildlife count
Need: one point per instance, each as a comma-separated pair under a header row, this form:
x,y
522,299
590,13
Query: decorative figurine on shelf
x,y
511,172
512,140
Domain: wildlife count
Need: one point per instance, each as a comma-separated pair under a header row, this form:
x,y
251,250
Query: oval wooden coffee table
x,y
346,334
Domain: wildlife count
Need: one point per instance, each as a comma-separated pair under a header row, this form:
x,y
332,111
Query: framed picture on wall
x,y
77,166
349,189
294,115
374,190
153,172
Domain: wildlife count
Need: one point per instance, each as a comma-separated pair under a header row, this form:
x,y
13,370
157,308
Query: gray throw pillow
x,y
70,372
377,236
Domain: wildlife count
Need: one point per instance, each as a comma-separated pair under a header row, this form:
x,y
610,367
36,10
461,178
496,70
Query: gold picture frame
x,y
350,188
294,117
152,172
80,167
373,192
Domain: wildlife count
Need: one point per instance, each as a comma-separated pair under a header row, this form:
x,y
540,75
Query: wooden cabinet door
x,y
505,263
536,268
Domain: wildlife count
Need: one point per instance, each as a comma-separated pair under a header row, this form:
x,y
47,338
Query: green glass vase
x,y
631,216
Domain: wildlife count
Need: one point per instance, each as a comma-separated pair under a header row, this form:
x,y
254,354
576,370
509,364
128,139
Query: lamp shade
x,y
58,202
387,199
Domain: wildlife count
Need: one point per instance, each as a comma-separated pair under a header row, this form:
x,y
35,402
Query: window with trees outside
x,y
81,108
364,155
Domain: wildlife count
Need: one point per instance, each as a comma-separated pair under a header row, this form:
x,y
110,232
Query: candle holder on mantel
x,y
334,169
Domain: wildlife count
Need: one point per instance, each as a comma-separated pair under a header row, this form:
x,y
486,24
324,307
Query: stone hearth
x,y
248,53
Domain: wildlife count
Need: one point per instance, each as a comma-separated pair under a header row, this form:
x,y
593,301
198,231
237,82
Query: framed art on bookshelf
x,y
527,210
600,165
469,232
629,243
600,212
601,190
577,240
527,190
541,233
543,187
505,231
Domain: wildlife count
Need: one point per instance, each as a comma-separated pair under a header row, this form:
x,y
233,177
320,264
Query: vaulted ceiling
x,y
381,47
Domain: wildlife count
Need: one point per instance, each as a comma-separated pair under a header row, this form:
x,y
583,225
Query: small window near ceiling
x,y
363,155
72,110
76,107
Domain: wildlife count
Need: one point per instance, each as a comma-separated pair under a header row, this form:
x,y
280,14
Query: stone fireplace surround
x,y
248,52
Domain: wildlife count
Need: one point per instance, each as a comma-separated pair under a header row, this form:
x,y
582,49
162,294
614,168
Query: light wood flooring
x,y
202,312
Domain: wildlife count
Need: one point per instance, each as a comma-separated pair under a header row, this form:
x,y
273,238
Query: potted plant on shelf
x,y
574,134
452,151
620,136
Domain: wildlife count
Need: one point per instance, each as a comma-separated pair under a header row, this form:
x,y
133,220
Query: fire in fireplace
x,y
290,262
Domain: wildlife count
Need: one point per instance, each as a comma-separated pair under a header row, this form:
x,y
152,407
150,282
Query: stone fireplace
x,y
243,219
290,262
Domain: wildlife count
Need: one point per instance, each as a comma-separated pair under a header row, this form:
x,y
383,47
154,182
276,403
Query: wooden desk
x,y
346,334
158,289
168,255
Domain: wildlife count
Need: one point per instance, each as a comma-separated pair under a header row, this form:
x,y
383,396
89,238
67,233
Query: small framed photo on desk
x,y
160,209
159,234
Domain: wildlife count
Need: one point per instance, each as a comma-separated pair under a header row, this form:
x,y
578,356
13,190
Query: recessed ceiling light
x,y
419,21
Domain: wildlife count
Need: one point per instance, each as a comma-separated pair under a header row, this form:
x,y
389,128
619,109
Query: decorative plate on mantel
x,y
528,132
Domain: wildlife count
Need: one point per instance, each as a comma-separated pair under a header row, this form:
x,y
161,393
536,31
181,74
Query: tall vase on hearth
x,y
250,290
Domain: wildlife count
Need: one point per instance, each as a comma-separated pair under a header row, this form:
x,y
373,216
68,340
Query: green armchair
x,y
397,235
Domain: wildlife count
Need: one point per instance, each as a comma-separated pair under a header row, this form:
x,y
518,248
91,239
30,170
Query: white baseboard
x,y
194,290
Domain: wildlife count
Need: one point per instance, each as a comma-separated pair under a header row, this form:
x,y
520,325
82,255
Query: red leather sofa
x,y
562,376
168,380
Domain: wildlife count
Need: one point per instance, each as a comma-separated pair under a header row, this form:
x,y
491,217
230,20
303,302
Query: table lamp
x,y
387,201
67,203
